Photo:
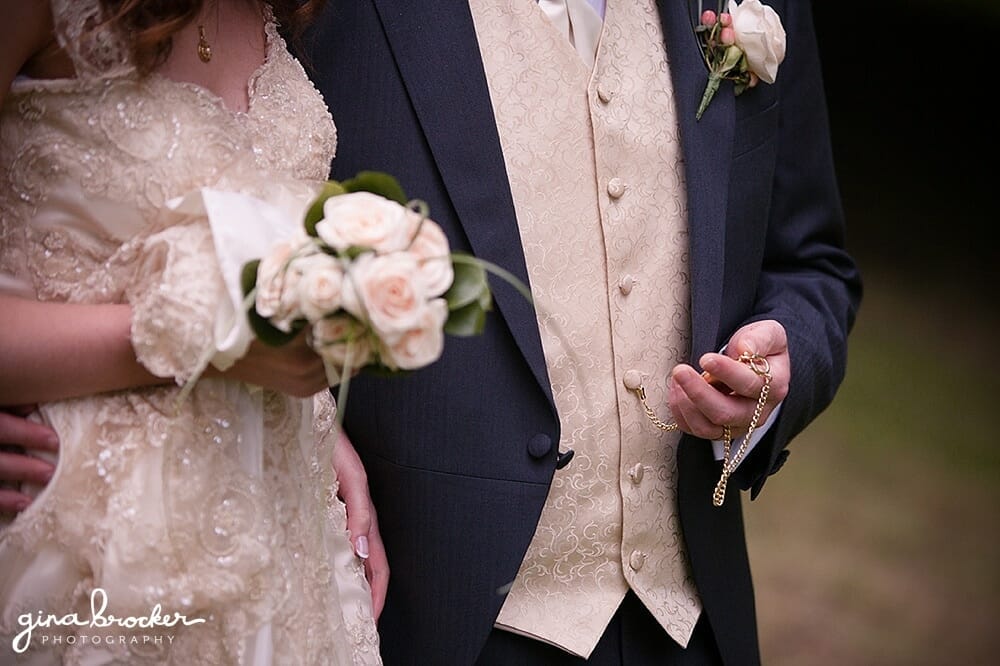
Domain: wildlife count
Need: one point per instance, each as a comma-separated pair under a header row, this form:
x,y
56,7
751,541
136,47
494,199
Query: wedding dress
x,y
220,506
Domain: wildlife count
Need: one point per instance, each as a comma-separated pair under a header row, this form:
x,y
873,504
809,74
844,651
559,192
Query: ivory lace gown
x,y
222,507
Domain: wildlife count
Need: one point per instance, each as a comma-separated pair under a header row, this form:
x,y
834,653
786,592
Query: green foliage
x,y
261,327
376,182
315,212
469,298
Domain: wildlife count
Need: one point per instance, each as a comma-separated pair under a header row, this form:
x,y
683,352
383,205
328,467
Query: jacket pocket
x,y
756,128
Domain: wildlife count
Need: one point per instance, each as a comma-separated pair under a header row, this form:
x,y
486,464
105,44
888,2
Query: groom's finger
x,y
18,467
17,430
766,337
12,501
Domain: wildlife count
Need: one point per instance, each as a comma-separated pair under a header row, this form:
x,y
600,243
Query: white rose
x,y
277,280
320,287
422,345
333,337
760,35
364,219
434,254
385,290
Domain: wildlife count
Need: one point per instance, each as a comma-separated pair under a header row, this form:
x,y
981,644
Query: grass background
x,y
878,543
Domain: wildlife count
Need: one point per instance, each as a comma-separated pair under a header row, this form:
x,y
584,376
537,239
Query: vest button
x,y
539,445
605,93
635,474
636,560
632,379
616,188
625,285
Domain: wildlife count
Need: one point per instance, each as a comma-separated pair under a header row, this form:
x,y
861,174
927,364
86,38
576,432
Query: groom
x,y
531,511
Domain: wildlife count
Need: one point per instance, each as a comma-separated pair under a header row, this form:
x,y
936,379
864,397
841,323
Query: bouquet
x,y
372,280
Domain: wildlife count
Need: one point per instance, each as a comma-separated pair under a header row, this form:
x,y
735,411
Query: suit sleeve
x,y
808,282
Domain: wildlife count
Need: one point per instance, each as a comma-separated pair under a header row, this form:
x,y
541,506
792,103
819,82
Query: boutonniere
x,y
744,45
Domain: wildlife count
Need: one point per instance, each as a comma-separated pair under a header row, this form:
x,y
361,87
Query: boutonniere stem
x,y
744,45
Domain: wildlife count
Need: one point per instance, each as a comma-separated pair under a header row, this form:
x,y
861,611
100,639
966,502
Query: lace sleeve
x,y
325,418
94,48
174,298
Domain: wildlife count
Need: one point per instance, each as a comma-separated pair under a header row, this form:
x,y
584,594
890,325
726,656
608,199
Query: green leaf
x,y
486,300
262,328
379,183
315,213
468,286
248,276
269,334
466,321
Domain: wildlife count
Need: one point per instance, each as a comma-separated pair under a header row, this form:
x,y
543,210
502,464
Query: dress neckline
x,y
272,41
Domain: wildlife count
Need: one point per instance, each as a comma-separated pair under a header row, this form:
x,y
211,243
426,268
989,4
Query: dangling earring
x,y
204,48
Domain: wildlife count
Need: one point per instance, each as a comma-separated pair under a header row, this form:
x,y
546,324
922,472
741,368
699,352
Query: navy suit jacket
x,y
460,455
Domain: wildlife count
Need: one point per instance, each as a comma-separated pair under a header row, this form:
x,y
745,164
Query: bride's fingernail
x,y
361,547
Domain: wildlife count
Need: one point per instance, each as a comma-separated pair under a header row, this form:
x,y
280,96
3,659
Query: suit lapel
x,y
435,47
707,146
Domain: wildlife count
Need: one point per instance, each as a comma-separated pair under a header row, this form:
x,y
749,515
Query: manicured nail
x,y
361,547
22,505
53,441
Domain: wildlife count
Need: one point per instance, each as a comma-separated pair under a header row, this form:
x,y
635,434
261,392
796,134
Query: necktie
x,y
579,22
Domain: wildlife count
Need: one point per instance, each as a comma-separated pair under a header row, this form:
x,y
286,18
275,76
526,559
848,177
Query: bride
x,y
217,510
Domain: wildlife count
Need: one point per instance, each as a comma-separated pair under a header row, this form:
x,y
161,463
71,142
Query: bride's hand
x,y
362,522
293,368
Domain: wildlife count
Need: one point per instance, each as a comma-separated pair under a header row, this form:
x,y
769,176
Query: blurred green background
x,y
878,543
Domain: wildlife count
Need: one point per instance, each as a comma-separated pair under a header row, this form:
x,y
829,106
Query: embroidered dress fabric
x,y
222,506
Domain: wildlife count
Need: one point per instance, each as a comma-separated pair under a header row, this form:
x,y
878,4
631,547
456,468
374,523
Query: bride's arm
x,y
50,351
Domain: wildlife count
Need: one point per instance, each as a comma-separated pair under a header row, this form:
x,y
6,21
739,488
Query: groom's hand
x,y
362,522
18,435
701,408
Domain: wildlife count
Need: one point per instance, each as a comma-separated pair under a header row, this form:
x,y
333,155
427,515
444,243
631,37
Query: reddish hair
x,y
151,24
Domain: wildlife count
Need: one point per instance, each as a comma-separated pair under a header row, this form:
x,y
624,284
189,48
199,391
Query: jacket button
x,y
564,457
540,445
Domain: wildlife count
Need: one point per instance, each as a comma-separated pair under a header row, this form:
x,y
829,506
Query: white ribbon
x,y
243,228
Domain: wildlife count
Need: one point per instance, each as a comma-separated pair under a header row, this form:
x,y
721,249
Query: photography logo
x,y
100,621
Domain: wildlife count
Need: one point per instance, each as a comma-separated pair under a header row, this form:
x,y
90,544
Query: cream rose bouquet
x,y
744,44
371,279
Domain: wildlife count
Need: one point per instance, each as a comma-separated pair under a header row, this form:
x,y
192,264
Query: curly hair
x,y
151,24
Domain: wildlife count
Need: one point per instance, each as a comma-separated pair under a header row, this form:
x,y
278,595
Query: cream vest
x,y
597,179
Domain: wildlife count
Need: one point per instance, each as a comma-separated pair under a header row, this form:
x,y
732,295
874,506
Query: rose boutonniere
x,y
744,45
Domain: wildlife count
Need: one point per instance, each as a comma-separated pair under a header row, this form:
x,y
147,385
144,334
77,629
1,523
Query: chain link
x,y
760,366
